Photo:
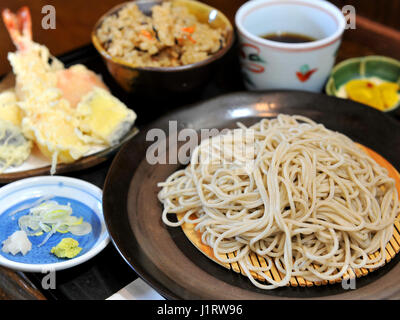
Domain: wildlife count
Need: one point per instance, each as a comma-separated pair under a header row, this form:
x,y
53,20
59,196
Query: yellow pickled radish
x,y
366,92
389,93
382,96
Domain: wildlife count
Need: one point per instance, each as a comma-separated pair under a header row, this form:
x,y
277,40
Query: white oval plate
x,y
85,198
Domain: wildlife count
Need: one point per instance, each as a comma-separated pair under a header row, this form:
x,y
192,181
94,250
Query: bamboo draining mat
x,y
392,248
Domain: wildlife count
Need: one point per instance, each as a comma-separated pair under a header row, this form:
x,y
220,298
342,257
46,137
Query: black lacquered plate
x,y
167,260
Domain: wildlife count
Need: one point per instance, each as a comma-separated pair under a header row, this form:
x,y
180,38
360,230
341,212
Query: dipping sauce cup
x,y
268,64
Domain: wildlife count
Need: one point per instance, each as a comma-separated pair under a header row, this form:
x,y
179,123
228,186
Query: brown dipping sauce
x,y
288,37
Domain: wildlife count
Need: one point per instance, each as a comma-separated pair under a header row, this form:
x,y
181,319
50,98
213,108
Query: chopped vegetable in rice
x,y
172,36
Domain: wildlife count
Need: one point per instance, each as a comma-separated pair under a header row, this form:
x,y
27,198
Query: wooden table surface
x,y
74,21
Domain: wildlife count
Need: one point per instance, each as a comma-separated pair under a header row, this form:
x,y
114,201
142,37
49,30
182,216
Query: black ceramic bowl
x,y
167,80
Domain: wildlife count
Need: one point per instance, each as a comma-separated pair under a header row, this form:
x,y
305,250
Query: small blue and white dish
x,y
85,200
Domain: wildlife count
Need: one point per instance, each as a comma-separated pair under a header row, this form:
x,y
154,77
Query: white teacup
x,y
270,64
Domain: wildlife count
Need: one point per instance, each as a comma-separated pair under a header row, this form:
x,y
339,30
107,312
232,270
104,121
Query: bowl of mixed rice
x,y
162,46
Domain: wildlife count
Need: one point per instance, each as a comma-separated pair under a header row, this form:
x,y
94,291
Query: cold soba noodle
x,y
303,197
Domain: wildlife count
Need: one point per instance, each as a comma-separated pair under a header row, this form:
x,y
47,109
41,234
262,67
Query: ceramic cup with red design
x,y
268,64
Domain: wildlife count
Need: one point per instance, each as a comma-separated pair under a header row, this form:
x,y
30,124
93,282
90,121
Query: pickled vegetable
x,y
382,96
